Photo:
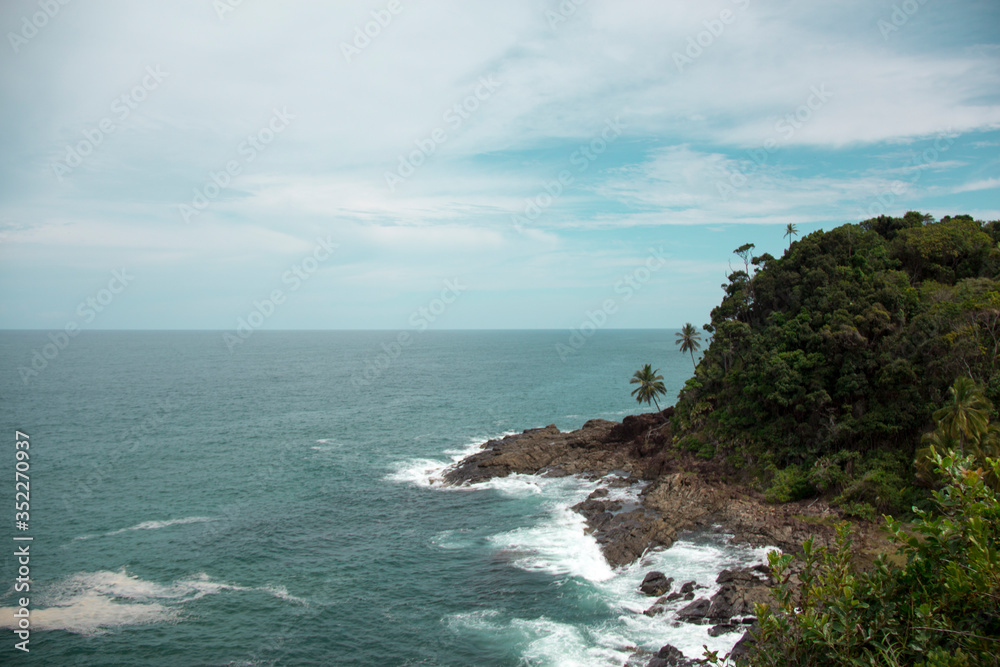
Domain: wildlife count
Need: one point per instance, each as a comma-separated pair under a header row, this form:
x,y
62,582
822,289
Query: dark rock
x,y
637,426
598,493
544,450
658,607
740,592
628,535
722,629
687,587
655,610
696,611
746,574
655,584
623,482
670,656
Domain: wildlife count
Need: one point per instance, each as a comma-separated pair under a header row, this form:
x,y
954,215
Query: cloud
x,y
985,184
840,109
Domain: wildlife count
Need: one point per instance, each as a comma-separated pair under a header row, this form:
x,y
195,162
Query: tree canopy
x,y
837,354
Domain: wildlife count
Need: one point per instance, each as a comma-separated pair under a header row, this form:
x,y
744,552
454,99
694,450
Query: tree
x,y
650,385
967,415
963,424
690,341
790,231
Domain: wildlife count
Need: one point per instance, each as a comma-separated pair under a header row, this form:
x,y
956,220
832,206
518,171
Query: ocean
x,y
278,504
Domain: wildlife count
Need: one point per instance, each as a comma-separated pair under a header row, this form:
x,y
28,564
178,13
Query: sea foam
x,y
152,525
430,472
558,544
91,603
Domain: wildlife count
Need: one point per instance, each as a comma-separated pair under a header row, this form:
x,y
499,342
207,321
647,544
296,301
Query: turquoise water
x,y
269,506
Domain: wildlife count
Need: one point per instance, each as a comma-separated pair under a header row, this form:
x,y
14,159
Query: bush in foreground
x,y
941,608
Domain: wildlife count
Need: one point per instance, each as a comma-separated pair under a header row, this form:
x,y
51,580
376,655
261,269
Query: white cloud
x,y
985,184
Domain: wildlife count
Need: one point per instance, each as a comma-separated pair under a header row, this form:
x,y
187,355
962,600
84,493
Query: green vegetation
x,y
941,608
963,424
826,365
650,385
690,341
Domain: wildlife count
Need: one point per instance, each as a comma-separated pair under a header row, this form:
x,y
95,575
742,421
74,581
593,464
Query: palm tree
x,y
963,424
967,416
650,385
790,231
690,341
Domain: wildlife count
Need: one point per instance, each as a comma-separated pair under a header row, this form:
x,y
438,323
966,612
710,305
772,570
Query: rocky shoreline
x,y
679,492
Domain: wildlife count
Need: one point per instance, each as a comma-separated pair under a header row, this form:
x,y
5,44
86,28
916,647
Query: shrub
x,y
788,485
879,487
938,610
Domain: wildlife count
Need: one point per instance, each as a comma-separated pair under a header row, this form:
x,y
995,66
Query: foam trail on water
x,y
152,525
282,593
91,603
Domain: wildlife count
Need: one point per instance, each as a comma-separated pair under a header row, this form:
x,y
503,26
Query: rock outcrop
x,y
681,492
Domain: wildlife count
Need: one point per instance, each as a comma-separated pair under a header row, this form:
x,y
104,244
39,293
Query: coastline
x,y
669,493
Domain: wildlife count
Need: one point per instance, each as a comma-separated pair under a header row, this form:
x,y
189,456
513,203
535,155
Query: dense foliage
x,y
940,608
826,365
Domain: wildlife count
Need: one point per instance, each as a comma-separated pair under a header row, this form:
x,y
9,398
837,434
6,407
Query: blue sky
x,y
542,156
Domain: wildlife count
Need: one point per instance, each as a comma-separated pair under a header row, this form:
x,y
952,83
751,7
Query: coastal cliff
x,y
677,492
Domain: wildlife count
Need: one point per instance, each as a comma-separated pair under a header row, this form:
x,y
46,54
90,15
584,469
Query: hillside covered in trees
x,y
826,365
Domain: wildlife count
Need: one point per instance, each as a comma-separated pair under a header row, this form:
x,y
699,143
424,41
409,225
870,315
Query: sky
x,y
218,164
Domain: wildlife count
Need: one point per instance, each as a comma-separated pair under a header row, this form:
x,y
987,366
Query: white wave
x,y
328,441
90,603
699,559
152,525
543,641
558,545
282,593
429,473
565,645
